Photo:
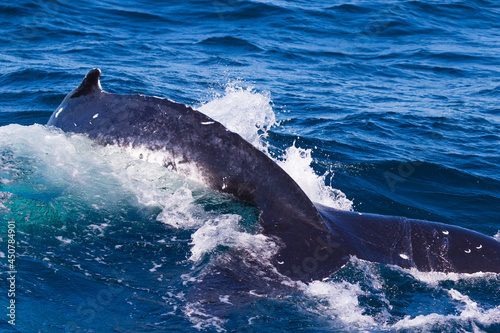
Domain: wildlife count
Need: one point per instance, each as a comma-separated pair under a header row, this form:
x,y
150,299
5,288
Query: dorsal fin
x,y
89,85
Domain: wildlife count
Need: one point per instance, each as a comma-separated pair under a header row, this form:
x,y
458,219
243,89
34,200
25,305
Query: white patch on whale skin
x,y
404,256
59,111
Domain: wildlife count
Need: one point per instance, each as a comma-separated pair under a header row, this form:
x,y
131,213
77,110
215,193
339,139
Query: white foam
x,y
297,163
244,111
63,240
434,278
225,299
342,302
203,321
339,302
468,312
155,266
100,228
224,230
78,170
179,210
59,160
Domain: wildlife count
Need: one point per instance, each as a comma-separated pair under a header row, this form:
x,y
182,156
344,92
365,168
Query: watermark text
x,y
11,273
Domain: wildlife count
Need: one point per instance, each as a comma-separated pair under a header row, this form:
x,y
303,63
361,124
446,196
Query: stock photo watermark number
x,y
11,273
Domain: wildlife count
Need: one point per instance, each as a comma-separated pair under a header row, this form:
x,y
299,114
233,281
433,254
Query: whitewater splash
x,y
75,175
347,303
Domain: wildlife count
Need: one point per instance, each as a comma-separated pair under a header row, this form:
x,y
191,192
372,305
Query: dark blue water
x,y
388,107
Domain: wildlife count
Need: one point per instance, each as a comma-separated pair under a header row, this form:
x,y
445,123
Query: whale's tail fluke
x,y
426,246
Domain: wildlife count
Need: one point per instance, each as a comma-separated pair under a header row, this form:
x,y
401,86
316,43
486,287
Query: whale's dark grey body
x,y
315,241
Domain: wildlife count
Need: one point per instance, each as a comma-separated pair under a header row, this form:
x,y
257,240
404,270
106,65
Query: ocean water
x,y
381,106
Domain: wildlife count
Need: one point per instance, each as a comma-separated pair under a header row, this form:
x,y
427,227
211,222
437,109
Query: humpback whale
x,y
314,240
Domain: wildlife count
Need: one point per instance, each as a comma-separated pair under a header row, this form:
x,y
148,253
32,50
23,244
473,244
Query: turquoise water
x,y
388,107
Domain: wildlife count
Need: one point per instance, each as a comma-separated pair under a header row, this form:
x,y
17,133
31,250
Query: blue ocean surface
x,y
379,106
